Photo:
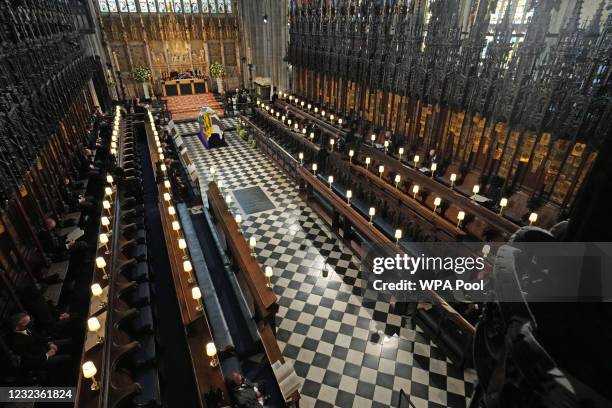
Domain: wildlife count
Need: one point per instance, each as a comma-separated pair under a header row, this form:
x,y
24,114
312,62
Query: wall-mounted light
x,y
265,19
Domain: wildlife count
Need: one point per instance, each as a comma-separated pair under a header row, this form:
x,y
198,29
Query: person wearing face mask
x,y
36,350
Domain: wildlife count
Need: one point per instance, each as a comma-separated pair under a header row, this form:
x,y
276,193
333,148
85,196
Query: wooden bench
x,y
195,322
264,299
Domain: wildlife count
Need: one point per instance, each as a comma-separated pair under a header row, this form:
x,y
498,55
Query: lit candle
x,y
415,191
533,217
330,180
434,167
453,178
400,152
371,213
398,178
416,160
367,162
398,235
349,195
301,157
351,154
381,170
314,168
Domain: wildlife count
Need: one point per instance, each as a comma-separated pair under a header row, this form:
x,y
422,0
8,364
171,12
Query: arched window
x,y
112,6
103,6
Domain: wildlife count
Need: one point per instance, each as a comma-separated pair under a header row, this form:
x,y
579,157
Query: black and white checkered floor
x,y
349,354
188,128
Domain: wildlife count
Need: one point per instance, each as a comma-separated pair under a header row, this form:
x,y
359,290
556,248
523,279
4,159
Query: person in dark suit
x,y
36,350
245,394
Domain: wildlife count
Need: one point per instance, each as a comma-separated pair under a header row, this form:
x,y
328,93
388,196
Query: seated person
x,y
244,393
55,246
36,350
49,319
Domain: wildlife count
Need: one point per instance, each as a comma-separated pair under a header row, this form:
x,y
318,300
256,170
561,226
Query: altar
x,y
189,86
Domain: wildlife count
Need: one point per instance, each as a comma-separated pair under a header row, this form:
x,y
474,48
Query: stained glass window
x,y
161,6
221,7
112,6
194,6
228,6
205,8
213,6
132,6
143,5
186,6
103,6
152,6
123,6
178,6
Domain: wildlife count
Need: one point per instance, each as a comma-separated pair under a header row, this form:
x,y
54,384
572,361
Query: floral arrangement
x,y
141,74
217,70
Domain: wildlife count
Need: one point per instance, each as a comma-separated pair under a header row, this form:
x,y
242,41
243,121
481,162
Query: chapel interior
x,y
192,192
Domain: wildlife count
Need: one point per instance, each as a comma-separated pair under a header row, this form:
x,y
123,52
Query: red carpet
x,y
188,106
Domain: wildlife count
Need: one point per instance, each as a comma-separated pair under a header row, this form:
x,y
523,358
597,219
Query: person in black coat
x,y
38,351
245,394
